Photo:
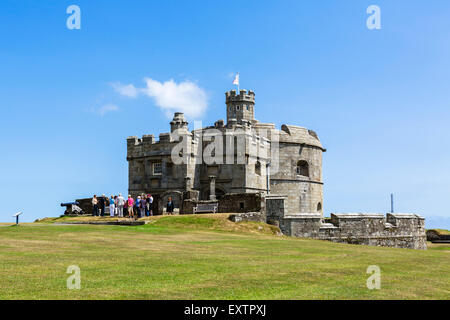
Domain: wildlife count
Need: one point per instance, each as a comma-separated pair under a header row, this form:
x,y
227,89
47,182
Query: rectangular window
x,y
157,168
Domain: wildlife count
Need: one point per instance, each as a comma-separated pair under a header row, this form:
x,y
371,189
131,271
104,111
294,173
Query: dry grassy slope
x,y
217,222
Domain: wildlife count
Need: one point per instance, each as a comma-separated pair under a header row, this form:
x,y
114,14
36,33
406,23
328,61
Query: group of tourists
x,y
120,207
131,208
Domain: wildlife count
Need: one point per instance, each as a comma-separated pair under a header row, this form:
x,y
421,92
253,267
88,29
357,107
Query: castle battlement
x,y
244,95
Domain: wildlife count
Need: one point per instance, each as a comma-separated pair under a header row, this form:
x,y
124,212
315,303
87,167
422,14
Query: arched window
x,y
319,207
258,168
303,168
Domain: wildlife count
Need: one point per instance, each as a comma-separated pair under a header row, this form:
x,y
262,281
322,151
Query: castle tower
x,y
240,106
178,122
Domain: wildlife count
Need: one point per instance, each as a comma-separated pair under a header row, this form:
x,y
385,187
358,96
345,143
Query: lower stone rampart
x,y
398,230
403,230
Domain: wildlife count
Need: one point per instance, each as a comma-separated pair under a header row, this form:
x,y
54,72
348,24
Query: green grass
x,y
206,257
442,231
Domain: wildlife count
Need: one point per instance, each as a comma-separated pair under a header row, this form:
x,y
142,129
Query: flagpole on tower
x,y
236,81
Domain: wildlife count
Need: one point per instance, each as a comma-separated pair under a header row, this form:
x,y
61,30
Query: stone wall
x,y
188,206
394,230
229,203
247,216
274,207
436,236
240,202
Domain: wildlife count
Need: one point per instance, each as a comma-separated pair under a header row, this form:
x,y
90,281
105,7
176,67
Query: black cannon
x,y
72,208
70,204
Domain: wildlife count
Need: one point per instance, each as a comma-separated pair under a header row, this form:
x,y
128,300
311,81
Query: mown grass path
x,y
204,257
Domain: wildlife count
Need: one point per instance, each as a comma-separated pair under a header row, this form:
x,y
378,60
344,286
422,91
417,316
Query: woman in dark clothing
x,y
102,205
170,206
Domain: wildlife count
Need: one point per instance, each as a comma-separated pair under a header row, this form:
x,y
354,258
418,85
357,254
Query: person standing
x,y
120,205
142,207
170,206
125,207
130,204
138,200
102,204
147,205
112,207
95,205
138,206
150,202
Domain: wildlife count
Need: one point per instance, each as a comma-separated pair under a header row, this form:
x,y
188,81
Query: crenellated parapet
x,y
242,96
403,230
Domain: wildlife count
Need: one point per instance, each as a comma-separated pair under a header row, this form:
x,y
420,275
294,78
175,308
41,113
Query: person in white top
x,y
95,206
111,207
150,202
120,204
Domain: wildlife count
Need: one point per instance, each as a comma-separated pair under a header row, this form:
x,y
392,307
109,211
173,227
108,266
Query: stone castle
x,y
258,171
151,169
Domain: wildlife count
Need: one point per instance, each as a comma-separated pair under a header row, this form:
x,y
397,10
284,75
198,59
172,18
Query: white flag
x,y
236,80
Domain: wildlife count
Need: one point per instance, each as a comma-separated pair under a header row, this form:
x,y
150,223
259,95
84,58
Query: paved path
x,y
39,224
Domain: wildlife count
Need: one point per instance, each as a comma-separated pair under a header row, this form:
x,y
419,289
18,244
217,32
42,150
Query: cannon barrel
x,y
70,204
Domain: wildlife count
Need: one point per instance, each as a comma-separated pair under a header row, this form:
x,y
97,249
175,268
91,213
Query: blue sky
x,y
378,99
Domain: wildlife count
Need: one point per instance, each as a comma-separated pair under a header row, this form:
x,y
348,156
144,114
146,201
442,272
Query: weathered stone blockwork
x,y
303,188
394,230
241,202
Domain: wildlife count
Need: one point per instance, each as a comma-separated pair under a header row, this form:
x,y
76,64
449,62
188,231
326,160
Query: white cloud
x,y
125,90
106,108
169,96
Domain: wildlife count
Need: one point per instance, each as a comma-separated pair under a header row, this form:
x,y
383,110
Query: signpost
x,y
17,217
392,203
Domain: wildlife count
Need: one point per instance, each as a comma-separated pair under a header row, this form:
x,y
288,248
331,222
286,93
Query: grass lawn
x,y
206,257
